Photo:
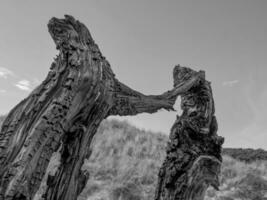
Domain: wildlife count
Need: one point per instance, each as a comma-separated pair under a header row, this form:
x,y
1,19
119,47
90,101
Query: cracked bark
x,y
64,112
193,157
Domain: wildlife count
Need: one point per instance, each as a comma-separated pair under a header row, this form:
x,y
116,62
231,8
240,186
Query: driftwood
x,y
193,157
63,113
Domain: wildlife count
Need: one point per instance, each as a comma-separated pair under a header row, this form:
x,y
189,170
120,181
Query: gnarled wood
x,y
64,112
194,150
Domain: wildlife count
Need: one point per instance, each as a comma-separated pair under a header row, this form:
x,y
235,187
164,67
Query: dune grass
x,y
125,161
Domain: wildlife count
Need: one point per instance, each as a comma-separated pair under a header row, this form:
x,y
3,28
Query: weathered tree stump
x,y
193,157
64,113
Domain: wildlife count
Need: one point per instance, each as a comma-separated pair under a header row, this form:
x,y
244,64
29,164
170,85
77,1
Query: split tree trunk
x,y
64,112
193,159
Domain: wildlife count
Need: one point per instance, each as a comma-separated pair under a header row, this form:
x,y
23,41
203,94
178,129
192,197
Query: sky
x,y
143,40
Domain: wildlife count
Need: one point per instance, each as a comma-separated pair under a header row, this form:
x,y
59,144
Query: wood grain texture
x,y
193,157
63,114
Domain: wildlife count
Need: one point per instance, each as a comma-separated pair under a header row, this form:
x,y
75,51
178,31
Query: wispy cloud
x,y
17,80
4,73
24,85
230,83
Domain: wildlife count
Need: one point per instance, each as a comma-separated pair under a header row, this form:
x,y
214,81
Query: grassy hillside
x,y
125,161
246,155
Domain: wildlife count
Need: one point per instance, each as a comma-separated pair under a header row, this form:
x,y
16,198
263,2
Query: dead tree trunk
x,y
193,157
64,112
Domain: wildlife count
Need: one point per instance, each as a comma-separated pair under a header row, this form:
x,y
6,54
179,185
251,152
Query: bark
x,y
193,157
64,112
